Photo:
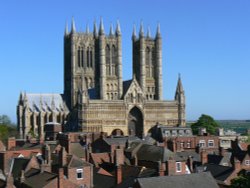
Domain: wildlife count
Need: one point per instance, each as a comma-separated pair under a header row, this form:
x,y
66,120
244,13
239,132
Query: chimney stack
x,y
237,165
11,143
204,159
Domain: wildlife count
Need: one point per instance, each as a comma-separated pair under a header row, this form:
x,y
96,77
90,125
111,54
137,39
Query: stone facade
x,y
96,97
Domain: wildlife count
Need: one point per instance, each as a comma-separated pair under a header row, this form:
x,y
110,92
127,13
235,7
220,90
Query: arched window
x,y
88,57
113,66
108,60
148,62
91,58
82,57
79,56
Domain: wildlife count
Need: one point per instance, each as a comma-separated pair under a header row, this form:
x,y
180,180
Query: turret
x,y
101,28
148,33
158,32
111,32
95,33
141,33
66,31
119,58
118,29
134,34
73,27
180,99
158,44
102,61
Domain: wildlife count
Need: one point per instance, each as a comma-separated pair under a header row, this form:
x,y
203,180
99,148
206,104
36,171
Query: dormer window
x,y
79,174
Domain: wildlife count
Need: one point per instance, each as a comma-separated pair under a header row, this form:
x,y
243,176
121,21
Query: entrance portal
x,y
135,122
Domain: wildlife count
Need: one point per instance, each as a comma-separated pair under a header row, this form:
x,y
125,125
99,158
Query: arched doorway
x,y
117,132
135,122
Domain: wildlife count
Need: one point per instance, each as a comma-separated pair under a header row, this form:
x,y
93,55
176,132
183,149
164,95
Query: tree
x,y
242,181
7,129
205,121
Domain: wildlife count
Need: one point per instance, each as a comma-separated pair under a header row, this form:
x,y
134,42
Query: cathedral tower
x,y
93,58
147,62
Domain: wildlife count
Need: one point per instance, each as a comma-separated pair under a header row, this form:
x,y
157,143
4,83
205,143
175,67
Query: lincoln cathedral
x,y
95,97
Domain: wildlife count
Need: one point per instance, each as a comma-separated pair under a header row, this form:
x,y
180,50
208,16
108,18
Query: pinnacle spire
x,y
101,28
148,32
87,28
118,28
179,88
141,30
134,32
73,27
111,32
158,31
95,29
66,31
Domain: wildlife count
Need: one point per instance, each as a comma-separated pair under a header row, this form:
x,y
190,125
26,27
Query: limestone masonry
x,y
95,98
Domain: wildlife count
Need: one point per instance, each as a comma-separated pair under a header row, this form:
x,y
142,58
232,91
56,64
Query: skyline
x,y
208,43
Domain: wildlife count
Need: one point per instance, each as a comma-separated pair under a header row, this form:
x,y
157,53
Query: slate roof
x,y
126,85
219,172
77,149
74,162
218,159
38,179
196,180
27,146
101,180
120,140
45,102
19,164
156,153
185,154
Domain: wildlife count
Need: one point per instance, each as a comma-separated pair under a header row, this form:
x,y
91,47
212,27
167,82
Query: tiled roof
x,y
196,180
156,153
19,164
35,178
219,172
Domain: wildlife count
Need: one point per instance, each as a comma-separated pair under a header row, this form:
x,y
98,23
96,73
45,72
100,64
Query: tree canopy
x,y
7,128
242,181
205,121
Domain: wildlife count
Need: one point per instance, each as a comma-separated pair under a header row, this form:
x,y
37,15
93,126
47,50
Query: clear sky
x,y
207,41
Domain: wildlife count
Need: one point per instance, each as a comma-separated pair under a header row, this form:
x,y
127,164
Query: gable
x,y
134,93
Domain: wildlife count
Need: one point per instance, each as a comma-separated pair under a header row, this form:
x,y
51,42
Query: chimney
x,y
190,163
171,167
119,161
60,177
174,145
204,159
11,143
161,168
63,156
10,182
22,178
222,151
237,165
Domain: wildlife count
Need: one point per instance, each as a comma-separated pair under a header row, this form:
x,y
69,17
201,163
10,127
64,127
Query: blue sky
x,y
207,41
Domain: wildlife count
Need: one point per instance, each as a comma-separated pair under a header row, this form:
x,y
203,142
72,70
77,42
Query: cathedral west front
x,y
95,97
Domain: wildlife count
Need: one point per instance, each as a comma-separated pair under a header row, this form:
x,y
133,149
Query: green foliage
x,y
242,181
207,122
7,129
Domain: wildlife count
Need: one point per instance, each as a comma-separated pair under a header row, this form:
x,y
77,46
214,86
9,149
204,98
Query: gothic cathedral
x,y
95,96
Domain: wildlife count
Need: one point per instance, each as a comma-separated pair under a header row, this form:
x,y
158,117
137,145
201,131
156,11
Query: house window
x,y
178,166
182,144
202,143
210,143
79,174
247,162
188,145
